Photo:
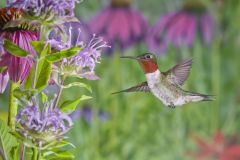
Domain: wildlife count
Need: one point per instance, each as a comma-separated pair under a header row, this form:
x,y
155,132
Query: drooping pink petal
x,y
138,24
98,23
180,29
179,39
121,27
174,28
18,68
124,30
191,31
164,22
114,26
4,77
207,27
155,37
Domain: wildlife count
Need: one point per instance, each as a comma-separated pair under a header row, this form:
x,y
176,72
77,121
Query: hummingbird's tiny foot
x,y
172,106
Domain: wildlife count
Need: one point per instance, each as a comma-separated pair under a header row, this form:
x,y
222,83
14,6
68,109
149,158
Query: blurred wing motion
x,y
143,87
179,73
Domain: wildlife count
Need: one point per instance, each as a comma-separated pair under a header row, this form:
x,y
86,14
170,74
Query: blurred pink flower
x,y
219,148
120,25
4,77
181,28
17,68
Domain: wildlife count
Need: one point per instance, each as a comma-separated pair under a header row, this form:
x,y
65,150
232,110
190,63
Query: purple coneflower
x,y
120,25
181,28
83,64
43,126
17,68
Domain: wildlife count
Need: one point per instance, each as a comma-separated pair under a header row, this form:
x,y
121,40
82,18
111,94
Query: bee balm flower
x,y
83,64
44,126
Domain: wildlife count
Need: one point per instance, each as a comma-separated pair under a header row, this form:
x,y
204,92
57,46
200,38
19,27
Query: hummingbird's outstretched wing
x,y
143,87
179,73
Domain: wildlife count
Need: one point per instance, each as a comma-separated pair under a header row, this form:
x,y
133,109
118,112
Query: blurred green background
x,y
139,126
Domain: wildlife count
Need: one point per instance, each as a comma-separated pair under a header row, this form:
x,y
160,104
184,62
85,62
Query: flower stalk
x,y
38,154
35,154
59,92
58,96
22,152
35,75
13,106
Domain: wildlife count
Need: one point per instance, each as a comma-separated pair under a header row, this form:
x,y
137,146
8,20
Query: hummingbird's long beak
x,y
129,57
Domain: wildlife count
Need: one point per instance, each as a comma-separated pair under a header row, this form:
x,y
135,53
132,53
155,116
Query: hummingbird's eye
x,y
148,56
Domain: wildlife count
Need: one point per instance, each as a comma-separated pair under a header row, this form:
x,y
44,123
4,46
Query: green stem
x,y
39,154
35,154
58,96
13,106
35,75
22,152
43,33
59,92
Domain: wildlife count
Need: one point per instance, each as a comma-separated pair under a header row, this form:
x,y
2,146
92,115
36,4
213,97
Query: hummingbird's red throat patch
x,y
148,66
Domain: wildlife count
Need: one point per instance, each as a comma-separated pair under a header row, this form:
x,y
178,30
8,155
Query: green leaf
x,y
63,144
29,80
7,141
44,97
3,69
78,84
38,46
43,74
61,155
70,106
14,49
24,95
58,145
41,48
63,54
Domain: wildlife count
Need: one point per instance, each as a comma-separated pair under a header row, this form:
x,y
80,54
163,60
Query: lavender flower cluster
x,y
43,126
83,64
58,7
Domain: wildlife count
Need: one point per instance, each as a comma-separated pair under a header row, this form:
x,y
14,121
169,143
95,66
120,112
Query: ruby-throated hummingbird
x,y
166,85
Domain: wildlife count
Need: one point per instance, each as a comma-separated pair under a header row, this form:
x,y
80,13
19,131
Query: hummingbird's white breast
x,y
161,90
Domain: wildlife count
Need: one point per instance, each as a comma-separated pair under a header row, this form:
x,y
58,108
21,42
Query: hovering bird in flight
x,y
166,86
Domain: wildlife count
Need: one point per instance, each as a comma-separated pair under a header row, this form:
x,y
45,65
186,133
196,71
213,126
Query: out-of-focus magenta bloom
x,y
219,148
181,28
17,68
120,25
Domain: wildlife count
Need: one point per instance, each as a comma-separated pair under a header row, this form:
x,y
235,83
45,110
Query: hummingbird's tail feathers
x,y
208,97
195,97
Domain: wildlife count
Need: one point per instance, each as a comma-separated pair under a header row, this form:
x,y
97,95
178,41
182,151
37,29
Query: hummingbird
x,y
166,86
